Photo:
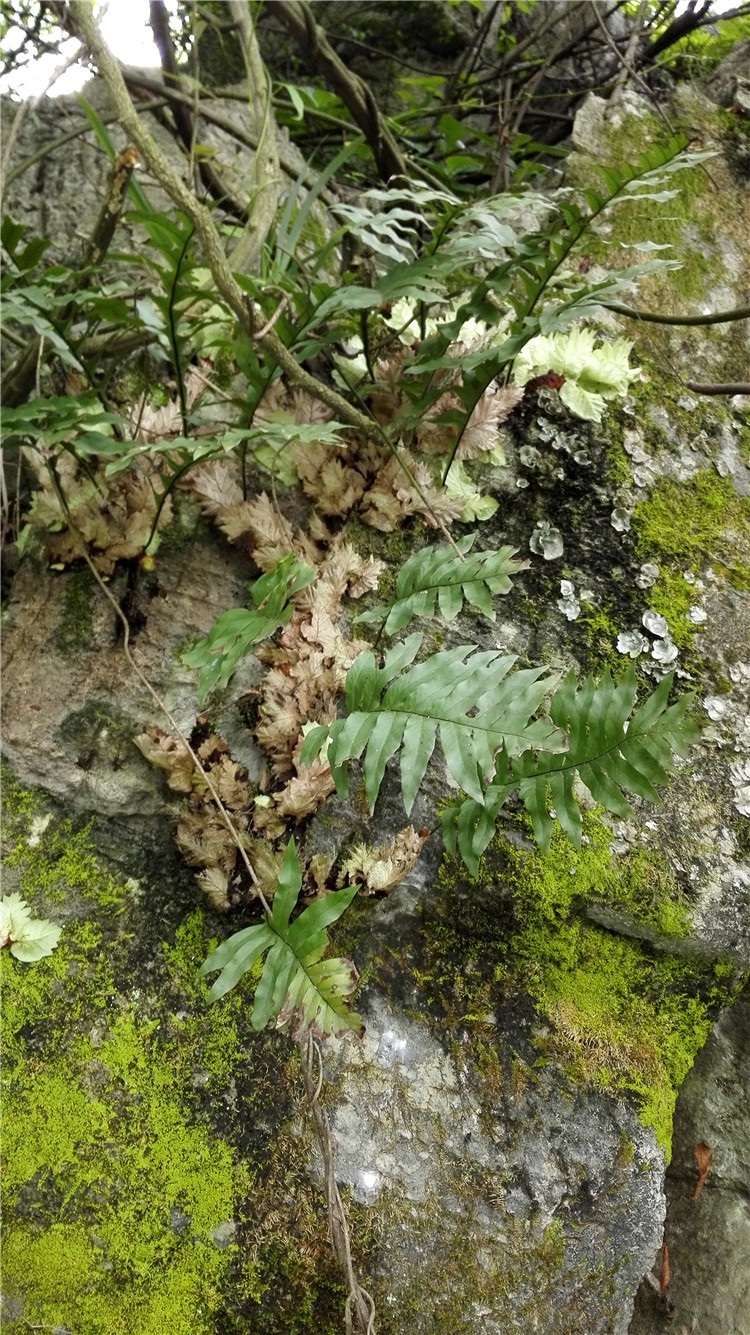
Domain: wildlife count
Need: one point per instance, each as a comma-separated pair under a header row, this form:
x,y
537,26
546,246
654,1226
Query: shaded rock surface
x,y
709,1236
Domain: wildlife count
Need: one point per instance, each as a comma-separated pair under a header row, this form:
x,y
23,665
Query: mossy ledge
x,y
156,1162
611,1011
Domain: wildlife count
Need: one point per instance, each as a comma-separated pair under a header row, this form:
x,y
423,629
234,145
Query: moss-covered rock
x,y
155,1174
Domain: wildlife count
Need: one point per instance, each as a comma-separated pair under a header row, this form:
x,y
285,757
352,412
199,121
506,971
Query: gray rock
x,y
709,1238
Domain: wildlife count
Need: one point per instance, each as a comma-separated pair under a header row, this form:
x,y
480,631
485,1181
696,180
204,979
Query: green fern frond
x,y
613,751
297,986
235,631
436,574
464,696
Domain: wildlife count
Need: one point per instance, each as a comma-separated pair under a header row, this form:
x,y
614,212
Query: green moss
x,y
134,1126
693,521
685,526
112,1189
603,632
621,1016
625,1018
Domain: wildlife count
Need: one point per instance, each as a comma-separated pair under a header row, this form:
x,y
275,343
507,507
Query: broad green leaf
x,y
437,574
233,634
614,752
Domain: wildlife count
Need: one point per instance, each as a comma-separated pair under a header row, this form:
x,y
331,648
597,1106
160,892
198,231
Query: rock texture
x,y
708,1237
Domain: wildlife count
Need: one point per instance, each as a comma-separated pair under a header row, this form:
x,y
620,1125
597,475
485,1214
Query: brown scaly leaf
x,y
204,840
435,437
702,1153
216,485
214,882
386,398
303,687
481,431
275,399
384,867
211,747
381,510
299,798
269,534
345,571
112,516
434,505
230,781
332,484
157,424
169,755
306,410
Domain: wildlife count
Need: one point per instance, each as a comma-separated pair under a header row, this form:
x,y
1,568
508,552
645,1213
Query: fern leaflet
x,y
463,695
296,984
235,631
612,750
437,574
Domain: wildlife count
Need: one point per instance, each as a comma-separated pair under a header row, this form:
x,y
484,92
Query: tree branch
x,y
730,390
227,285
20,378
650,317
357,96
265,171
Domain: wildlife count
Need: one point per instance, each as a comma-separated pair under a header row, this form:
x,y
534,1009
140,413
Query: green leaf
x,y
235,631
614,752
29,939
436,574
463,697
297,986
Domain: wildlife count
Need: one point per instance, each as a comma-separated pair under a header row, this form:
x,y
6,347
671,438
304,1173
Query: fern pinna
x,y
437,575
463,696
297,987
612,750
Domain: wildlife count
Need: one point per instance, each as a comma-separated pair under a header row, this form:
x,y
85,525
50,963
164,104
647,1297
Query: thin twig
x,y
276,315
359,1302
164,708
729,389
241,305
652,317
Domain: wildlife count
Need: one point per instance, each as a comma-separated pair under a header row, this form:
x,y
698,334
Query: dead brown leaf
x,y
216,485
702,1153
169,755
384,867
481,431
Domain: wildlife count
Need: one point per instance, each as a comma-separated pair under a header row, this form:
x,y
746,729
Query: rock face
x,y
72,703
505,1122
708,1236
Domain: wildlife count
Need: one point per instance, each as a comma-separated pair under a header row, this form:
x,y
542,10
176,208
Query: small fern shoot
x,y
297,986
612,750
234,632
465,696
436,574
